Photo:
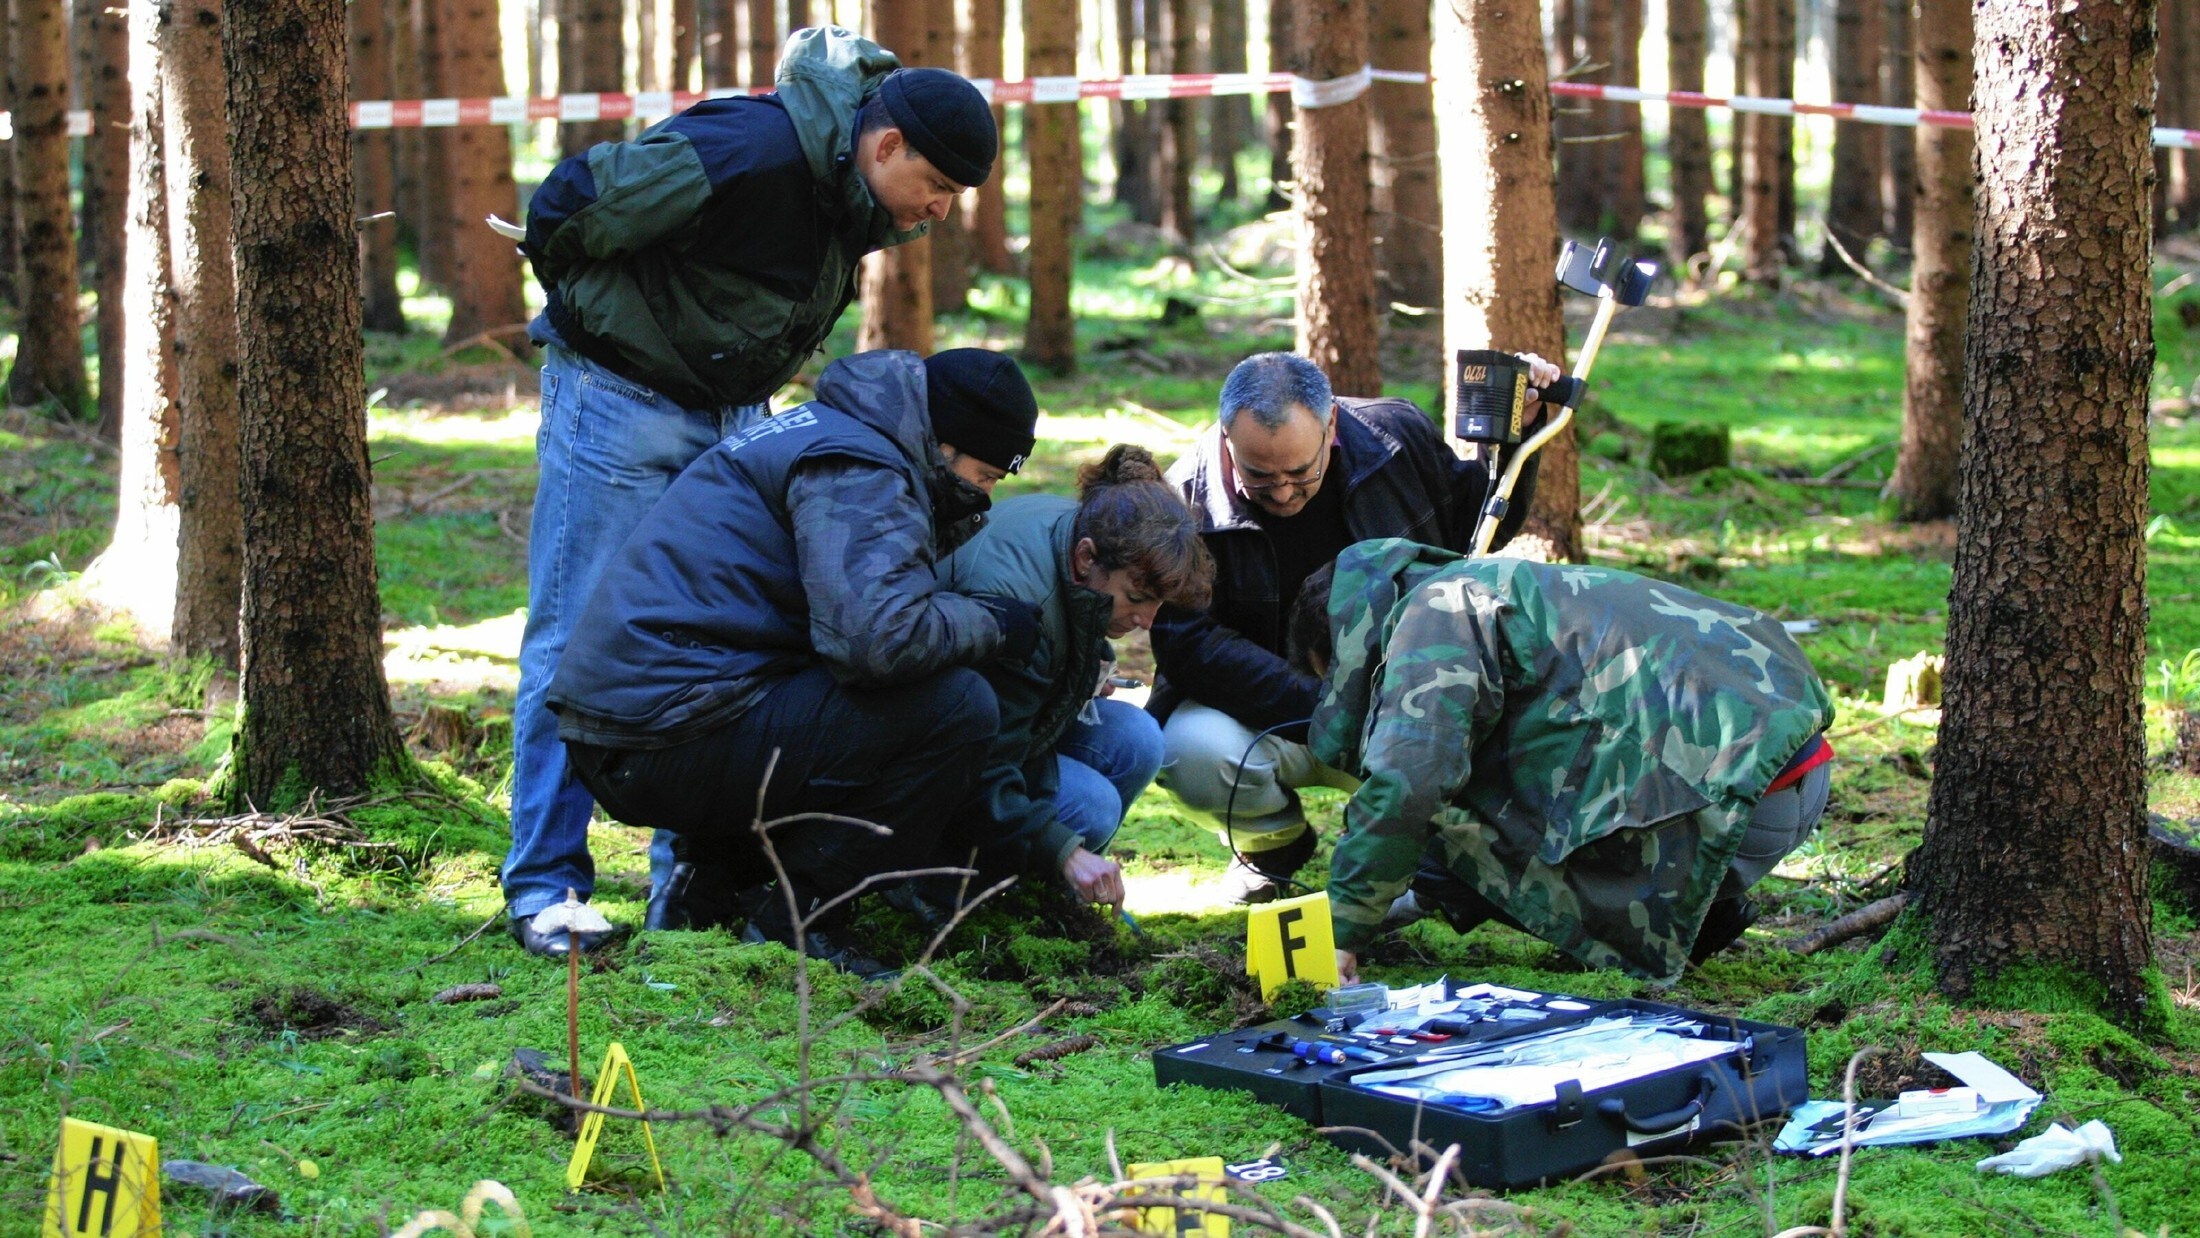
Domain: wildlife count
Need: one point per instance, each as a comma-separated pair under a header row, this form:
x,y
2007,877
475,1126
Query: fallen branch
x,y
1865,919
1900,296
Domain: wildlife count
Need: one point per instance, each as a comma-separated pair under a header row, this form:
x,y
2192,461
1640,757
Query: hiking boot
x,y
824,940
1265,876
1440,892
700,896
909,898
1724,925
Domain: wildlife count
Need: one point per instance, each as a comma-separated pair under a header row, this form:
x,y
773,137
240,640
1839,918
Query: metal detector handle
x,y
1499,501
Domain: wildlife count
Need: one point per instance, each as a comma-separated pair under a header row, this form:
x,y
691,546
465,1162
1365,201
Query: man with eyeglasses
x,y
1289,477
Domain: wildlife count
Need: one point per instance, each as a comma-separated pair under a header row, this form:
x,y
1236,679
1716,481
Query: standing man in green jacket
x,y
1603,760
688,274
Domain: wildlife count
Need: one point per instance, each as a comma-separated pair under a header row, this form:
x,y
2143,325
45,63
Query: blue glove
x,y
1019,622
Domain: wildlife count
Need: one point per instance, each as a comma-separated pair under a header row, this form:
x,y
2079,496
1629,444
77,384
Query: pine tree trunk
x,y
1688,137
102,67
687,30
591,60
438,265
1761,153
1337,319
950,239
1582,31
210,552
897,282
721,43
485,286
49,356
1852,207
410,145
374,169
2035,850
1402,156
763,40
10,251
1180,133
2177,60
1740,124
1898,82
316,707
1281,15
1051,138
983,22
1232,123
1134,121
1493,128
136,573
1923,486
1783,86
1625,157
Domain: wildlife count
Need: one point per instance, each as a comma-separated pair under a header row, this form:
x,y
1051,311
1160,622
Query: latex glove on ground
x,y
2058,1147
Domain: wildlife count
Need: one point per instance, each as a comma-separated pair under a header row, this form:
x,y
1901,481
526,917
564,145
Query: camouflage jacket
x,y
1585,746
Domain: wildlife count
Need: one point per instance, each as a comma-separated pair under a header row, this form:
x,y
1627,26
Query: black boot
x,y
1724,925
824,939
699,893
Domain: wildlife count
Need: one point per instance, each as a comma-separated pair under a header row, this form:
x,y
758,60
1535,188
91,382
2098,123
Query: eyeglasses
x,y
1312,479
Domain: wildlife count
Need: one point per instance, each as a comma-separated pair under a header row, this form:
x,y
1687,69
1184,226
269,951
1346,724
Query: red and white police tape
x,y
1306,92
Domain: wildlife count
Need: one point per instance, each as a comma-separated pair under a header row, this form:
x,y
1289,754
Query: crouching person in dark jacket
x,y
770,642
1068,763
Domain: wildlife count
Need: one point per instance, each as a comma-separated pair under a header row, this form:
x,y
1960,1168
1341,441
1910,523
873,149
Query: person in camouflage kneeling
x,y
1605,761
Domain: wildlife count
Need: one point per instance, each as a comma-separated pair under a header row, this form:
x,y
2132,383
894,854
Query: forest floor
x,y
265,997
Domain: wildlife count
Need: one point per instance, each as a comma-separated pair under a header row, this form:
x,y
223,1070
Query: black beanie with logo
x,y
981,405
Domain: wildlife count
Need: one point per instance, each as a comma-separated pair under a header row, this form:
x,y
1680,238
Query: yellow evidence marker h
x,y
106,1183
1291,940
1208,1189
615,1062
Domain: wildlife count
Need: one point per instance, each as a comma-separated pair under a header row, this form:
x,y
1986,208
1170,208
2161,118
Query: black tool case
x,y
1763,1079
1760,1081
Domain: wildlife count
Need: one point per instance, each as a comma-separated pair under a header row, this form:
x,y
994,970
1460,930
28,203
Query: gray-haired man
x,y
1288,477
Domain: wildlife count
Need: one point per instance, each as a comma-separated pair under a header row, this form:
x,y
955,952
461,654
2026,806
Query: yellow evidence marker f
x,y
1291,940
106,1183
1208,1189
615,1063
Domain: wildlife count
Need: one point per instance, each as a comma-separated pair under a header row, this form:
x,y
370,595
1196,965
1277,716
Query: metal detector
x,y
1491,388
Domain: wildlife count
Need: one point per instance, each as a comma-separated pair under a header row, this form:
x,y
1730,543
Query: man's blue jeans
x,y
1105,764
607,450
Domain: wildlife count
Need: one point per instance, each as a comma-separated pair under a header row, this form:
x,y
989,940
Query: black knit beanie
x,y
981,405
945,118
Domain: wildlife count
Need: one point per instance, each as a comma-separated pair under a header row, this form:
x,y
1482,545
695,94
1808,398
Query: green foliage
x,y
1680,448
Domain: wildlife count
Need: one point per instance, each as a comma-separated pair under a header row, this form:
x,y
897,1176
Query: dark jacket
x,y
1024,552
708,258
806,538
1400,478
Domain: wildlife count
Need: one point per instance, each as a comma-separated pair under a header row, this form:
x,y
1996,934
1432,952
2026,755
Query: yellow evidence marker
x,y
615,1061
1209,1188
106,1183
1291,940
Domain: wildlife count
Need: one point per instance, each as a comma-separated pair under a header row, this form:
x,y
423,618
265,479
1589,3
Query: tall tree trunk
x,y
11,255
763,40
1180,135
1852,207
687,42
1688,136
2174,69
1923,486
485,288
1051,137
2035,853
136,573
1761,156
950,241
1134,121
1783,86
897,282
1232,119
416,223
591,60
983,23
648,50
316,707
1600,144
1402,153
1337,319
437,263
1493,128
1899,179
1626,154
210,551
49,356
1742,124
102,67
1282,14
374,169
721,43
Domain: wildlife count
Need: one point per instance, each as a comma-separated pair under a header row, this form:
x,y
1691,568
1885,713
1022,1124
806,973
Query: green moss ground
x,y
264,1013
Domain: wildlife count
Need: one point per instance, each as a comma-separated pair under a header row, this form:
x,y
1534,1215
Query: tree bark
x,y
983,22
2035,850
438,265
210,551
1493,127
1600,187
1761,151
416,224
2174,68
374,169
591,59
1180,132
1923,486
1281,16
1898,180
1134,121
687,30
1051,137
102,68
722,64
1337,318
897,282
1688,136
1232,119
1852,208
1783,127
763,40
485,284
316,707
11,256
49,357
1402,156
950,239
